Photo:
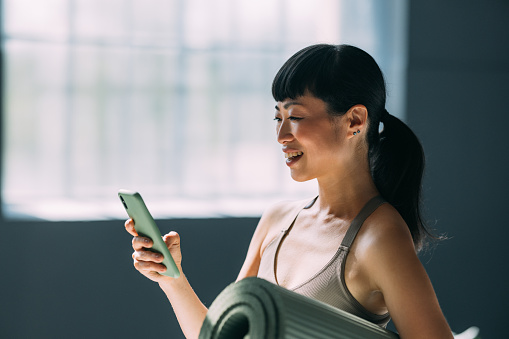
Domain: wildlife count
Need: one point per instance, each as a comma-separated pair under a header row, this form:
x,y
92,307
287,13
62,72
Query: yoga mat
x,y
253,308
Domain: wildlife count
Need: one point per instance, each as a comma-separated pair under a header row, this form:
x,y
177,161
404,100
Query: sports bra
x,y
328,285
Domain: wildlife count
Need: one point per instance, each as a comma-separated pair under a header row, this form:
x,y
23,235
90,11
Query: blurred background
x,y
172,98
168,97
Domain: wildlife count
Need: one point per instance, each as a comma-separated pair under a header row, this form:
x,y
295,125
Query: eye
x,y
277,119
295,118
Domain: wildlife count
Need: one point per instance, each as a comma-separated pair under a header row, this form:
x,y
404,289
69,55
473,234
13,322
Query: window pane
x,y
156,22
105,21
35,133
41,19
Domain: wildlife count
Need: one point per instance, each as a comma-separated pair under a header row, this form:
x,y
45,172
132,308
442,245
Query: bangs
x,y
310,69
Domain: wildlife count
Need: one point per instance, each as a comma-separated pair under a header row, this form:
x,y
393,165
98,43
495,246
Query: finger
x,y
172,239
148,256
148,266
141,243
129,226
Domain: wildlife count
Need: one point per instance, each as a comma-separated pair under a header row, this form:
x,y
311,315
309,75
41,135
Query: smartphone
x,y
146,227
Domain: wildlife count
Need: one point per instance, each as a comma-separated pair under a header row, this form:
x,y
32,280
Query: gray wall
x,y
458,85
77,279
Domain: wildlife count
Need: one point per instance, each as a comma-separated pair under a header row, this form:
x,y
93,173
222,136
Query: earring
x,y
355,133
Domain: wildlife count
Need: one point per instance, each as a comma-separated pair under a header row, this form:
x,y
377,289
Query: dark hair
x,y
343,76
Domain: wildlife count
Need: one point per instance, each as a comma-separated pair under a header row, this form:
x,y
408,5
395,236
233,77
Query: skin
x,y
382,270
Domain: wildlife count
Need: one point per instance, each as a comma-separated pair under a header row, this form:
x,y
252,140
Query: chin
x,y
300,178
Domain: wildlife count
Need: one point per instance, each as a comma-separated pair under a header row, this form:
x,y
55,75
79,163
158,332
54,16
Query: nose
x,y
284,132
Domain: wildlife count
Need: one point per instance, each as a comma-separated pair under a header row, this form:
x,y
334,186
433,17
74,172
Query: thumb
x,y
172,239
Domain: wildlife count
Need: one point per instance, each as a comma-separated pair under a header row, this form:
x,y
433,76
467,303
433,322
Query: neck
x,y
344,195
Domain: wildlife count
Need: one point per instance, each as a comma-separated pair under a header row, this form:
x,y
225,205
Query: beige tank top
x,y
328,285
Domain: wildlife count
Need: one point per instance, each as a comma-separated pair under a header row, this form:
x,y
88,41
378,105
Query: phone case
x,y
145,226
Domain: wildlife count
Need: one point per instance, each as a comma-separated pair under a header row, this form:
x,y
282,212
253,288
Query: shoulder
x,y
276,218
282,210
383,230
383,244
387,256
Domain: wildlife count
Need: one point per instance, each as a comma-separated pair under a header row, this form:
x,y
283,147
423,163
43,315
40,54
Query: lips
x,y
292,157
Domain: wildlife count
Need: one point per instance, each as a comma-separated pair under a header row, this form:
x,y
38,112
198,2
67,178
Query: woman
x,y
330,102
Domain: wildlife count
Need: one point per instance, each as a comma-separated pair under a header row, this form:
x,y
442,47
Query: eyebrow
x,y
288,104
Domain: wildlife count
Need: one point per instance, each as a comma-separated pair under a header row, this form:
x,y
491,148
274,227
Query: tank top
x,y
328,285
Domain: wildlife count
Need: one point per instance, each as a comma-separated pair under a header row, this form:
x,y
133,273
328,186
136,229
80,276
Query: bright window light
x,y
171,98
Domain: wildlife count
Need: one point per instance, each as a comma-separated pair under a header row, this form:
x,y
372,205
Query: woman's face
x,y
314,143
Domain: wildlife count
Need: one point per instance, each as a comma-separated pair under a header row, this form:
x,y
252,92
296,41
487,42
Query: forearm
x,y
188,308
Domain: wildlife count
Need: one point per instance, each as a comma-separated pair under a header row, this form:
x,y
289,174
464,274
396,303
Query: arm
x,y
397,272
188,308
254,252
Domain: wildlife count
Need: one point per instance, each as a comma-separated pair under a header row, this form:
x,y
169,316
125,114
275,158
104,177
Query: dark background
x,y
77,280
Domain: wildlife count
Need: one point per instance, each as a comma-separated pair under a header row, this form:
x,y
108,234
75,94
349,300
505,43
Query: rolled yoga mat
x,y
253,308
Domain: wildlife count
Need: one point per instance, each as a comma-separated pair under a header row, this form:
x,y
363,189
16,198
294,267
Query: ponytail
x,y
397,166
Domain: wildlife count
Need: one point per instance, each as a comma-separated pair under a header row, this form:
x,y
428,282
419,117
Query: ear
x,y
358,120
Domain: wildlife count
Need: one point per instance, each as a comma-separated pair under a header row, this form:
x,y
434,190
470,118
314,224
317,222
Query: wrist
x,y
171,283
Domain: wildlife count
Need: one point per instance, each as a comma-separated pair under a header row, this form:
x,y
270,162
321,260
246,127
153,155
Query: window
x,y
168,97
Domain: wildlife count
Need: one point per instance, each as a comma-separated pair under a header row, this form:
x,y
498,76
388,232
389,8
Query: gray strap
x,y
311,203
308,205
356,224
283,235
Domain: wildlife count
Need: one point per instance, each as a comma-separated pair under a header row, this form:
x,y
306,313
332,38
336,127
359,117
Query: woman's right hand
x,y
149,263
